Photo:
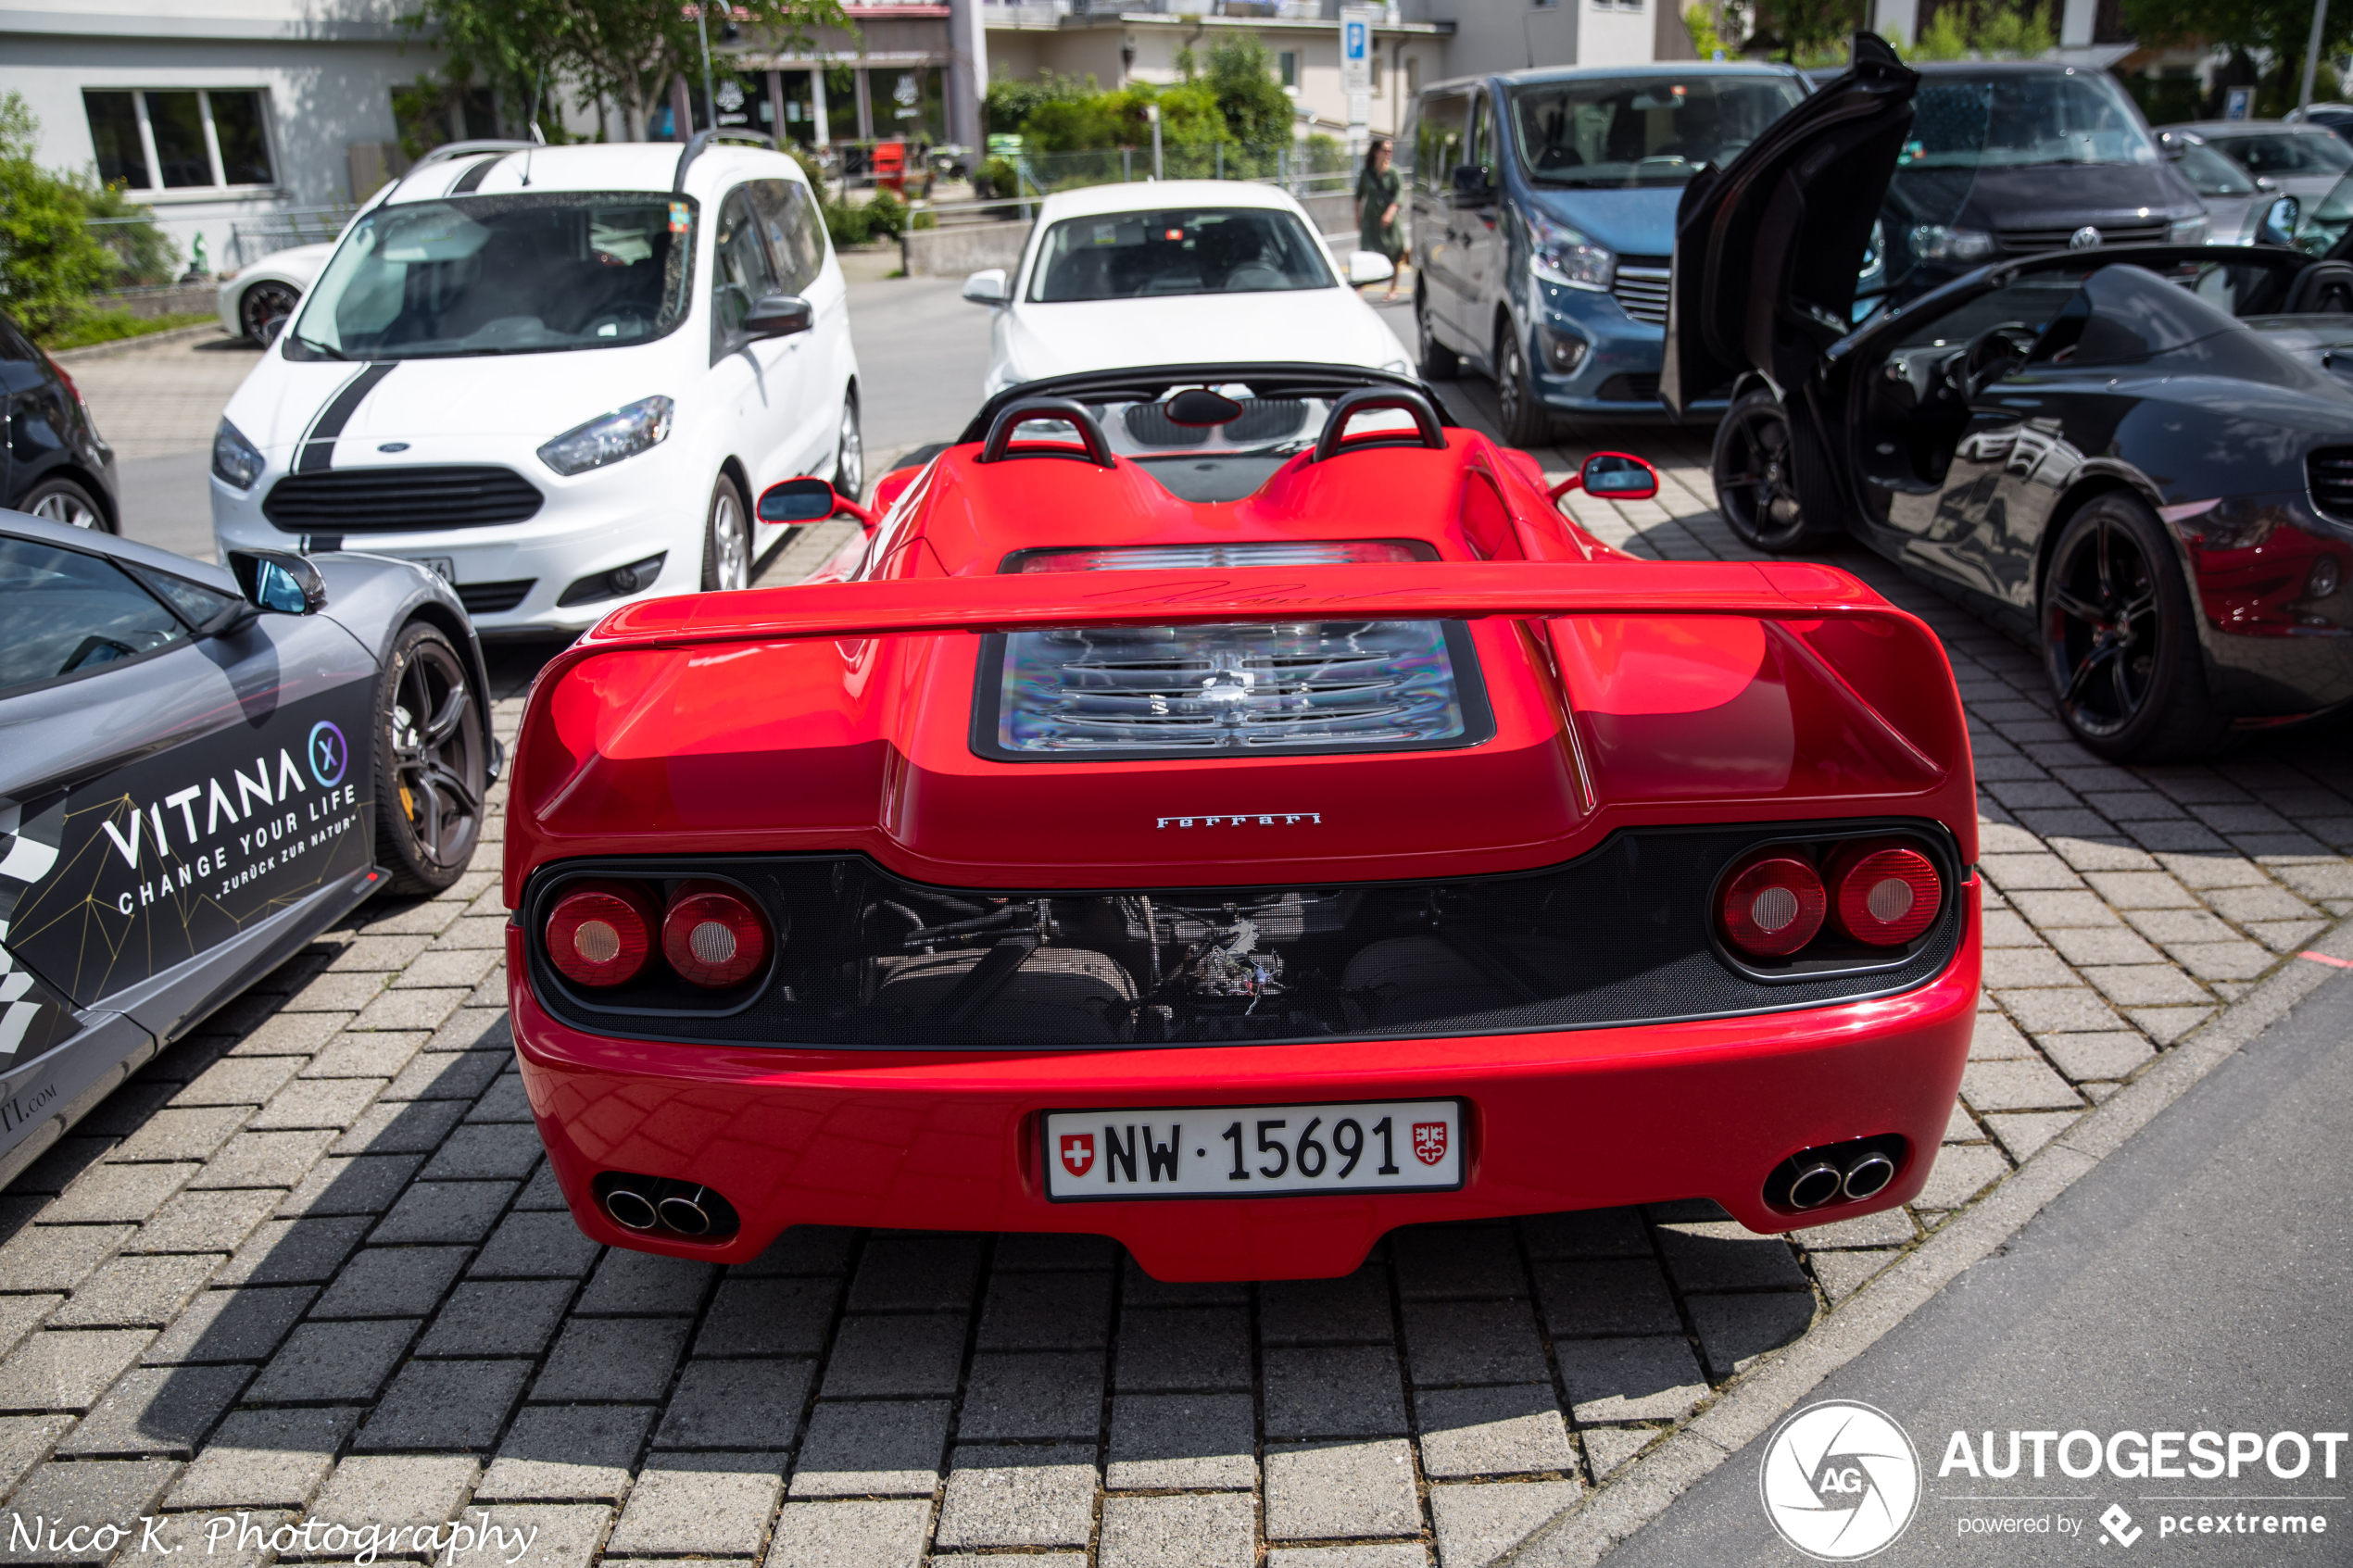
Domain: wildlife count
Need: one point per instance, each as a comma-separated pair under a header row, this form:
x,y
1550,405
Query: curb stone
x,y
1641,1489
145,340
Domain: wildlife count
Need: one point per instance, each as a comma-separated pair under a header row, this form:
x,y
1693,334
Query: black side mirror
x,y
1473,185
279,581
779,315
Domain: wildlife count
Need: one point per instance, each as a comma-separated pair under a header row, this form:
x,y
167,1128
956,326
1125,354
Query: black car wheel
x,y
1438,362
2119,639
264,309
61,501
1522,419
1755,488
430,763
726,541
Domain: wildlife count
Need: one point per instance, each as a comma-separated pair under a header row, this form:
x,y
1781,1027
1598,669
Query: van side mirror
x,y
2279,222
278,582
779,315
1473,185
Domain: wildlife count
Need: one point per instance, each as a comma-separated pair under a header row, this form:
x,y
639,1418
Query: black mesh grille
x,y
2026,242
2331,470
1620,936
489,598
404,499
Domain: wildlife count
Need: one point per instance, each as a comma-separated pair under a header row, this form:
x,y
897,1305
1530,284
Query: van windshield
x,y
1633,130
2018,120
502,274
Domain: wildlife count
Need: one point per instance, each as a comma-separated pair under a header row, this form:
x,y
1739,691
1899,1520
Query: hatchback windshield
x,y
2014,119
506,274
2286,152
1642,130
1190,250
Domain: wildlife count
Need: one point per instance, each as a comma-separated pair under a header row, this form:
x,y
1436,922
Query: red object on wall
x,y
890,166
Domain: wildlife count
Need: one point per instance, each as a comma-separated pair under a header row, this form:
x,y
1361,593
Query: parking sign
x,y
1356,49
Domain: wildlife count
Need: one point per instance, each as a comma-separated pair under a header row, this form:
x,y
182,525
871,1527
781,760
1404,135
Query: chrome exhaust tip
x,y
1814,1186
631,1210
683,1213
1868,1175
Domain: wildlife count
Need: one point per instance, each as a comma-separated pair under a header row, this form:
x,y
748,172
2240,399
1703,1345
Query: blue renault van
x,y
1543,216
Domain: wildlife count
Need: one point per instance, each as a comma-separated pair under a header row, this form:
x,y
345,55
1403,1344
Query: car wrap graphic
x,y
157,861
32,1016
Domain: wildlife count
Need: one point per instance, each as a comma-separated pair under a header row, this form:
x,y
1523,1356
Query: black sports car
x,y
53,463
200,770
2142,457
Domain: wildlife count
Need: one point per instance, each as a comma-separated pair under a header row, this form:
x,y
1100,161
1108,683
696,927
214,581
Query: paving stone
x,y
19,1315
735,1404
203,1221
1724,1255
229,1325
505,1318
396,1489
135,1291
2285,935
1589,1297
1349,1392
1357,1554
264,1159
1139,1288
400,1127
1006,1496
1507,1430
473,934
803,1249
1354,1307
1995,1038
262,1459
459,1212
1169,1349
2015,1085
1592,1232
2162,836
84,1493
2112,1054
916,1273
766,1317
297,1033
411,1009
194,1132
476,1029
1959,1127
1841,1275
457,1074
1651,1379
1335,1491
387,1282
1735,1330
2166,1025
559,1536
2155,984
856,1534
317,1102
611,1359
895,1356
1454,1263
567,1451
2024,873
644,1285
336,993
1961,1172
441,1406
1607,1448
543,1192
1178,1532
2042,1012
1449,1342
504,1101
378,954
2102,945
535,1246
123,1193
1476,1524
162,1411
357,1185
1058,1312
2004,928
1025,1397
871,1448
333,1362
2048,912
1889,1227
464,968
2140,890
2213,961
238,1081
1032,1251
705,1504
2026,966
68,1370
2086,843
1193,1442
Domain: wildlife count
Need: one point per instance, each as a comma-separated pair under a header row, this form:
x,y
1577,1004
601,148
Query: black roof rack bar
x,y
703,139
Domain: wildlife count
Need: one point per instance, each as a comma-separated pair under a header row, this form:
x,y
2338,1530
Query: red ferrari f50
x,y
1231,810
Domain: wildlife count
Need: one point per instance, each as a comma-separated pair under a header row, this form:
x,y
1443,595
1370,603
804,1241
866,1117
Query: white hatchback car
x,y
556,375
1179,273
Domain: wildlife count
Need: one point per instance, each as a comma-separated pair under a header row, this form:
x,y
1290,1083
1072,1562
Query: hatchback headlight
x,y
2188,230
1559,254
608,438
235,460
1934,242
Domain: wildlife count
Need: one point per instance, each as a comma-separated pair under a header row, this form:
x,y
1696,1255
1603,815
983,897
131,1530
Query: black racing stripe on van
x,y
472,178
317,453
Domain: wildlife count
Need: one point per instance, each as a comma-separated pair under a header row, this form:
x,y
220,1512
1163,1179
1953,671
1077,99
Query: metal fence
x,y
250,239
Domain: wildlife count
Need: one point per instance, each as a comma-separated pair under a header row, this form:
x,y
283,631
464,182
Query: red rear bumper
x,y
1584,1119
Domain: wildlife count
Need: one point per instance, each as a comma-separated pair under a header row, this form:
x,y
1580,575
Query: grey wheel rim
x,y
849,464
64,505
727,538
436,756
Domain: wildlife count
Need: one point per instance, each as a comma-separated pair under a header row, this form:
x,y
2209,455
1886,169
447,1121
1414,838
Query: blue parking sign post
x,y
1356,72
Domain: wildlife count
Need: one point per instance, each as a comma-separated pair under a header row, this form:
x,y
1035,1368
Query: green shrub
x,y
49,263
886,216
144,255
107,326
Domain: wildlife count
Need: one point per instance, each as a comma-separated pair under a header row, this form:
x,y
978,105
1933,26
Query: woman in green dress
x,y
1379,193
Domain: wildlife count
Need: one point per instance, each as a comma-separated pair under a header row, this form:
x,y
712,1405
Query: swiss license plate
x,y
442,567
1254,1151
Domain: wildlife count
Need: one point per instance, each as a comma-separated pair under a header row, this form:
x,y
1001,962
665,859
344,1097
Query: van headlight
x,y
1559,254
608,438
235,460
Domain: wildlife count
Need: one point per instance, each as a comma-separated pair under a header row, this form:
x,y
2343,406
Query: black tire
x,y
2120,638
726,540
1755,488
63,500
1438,362
1522,418
264,309
849,453
431,762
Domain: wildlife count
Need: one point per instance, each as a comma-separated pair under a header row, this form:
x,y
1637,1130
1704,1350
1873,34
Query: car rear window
x,y
2287,152
1177,251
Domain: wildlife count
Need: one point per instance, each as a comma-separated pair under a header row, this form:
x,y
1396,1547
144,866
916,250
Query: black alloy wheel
x,y
1438,362
1520,415
1755,487
2119,639
264,310
431,763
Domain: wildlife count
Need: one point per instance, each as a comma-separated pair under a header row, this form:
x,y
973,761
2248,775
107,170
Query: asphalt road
x,y
2201,1278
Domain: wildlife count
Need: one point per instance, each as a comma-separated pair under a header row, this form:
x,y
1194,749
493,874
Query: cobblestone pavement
x,y
310,1265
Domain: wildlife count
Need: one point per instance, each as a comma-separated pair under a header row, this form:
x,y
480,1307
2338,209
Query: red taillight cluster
x,y
603,933
1879,892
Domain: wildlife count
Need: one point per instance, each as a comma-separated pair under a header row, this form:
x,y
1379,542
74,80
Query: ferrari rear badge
x,y
1244,820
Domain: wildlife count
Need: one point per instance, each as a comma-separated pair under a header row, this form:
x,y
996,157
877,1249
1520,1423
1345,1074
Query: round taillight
x,y
601,934
1773,907
712,937
1885,894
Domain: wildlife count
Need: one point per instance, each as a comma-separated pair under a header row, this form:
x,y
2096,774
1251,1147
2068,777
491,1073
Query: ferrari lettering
x,y
1244,820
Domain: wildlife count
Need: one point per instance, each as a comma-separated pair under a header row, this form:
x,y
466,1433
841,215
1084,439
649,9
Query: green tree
x,y
1810,31
2282,27
48,262
142,253
1241,74
1991,31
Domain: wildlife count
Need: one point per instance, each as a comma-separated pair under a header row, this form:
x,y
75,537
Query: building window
x,y
1373,59
1287,66
185,139
1413,76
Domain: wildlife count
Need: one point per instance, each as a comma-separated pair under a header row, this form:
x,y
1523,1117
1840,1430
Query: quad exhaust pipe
x,y
665,1208
1852,1171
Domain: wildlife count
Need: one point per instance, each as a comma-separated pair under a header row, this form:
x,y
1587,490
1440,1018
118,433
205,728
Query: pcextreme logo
x,y
1840,1481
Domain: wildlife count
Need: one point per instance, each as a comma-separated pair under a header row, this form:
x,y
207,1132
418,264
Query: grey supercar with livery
x,y
200,770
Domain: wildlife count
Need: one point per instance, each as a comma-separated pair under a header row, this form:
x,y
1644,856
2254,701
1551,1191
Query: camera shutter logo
x,y
330,754
1840,1481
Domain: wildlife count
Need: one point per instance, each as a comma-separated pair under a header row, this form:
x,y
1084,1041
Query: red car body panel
x,y
838,717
